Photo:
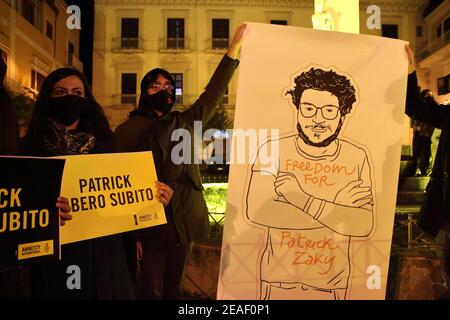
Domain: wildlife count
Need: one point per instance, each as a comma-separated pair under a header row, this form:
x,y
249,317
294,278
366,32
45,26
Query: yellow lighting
x,y
336,15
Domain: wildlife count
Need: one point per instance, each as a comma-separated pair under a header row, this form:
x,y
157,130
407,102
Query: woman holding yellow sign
x,y
67,120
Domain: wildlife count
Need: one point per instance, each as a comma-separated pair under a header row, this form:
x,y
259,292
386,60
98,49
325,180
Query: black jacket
x,y
430,112
102,262
142,133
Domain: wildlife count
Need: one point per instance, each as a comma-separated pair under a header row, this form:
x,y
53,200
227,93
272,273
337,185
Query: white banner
x,y
310,210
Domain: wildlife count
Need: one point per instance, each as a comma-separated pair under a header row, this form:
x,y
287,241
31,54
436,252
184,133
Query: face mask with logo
x,y
159,101
67,109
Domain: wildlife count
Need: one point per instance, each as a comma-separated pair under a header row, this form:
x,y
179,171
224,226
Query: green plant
x,y
216,196
220,120
22,104
216,199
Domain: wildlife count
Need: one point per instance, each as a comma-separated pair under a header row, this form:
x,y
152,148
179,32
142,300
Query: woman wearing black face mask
x,y
66,120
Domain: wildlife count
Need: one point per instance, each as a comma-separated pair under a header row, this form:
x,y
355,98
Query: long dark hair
x,y
9,132
93,119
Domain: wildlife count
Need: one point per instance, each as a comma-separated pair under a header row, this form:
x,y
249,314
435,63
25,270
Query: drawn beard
x,y
323,143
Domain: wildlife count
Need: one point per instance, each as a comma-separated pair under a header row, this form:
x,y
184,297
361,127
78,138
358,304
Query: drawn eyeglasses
x,y
329,112
158,87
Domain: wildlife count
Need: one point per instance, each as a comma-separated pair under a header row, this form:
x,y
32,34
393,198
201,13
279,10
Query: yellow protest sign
x,y
109,194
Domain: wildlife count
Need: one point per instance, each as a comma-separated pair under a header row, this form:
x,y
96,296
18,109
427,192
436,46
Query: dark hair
x,y
321,80
93,119
9,132
151,77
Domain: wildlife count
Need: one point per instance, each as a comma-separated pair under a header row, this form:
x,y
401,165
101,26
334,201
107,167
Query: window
x,y
280,22
220,33
128,88
32,11
36,80
438,31
446,24
443,85
389,31
71,51
419,31
178,78
4,56
49,32
175,33
225,97
130,33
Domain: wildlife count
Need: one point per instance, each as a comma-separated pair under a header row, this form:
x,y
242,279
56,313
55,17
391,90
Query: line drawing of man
x,y
314,196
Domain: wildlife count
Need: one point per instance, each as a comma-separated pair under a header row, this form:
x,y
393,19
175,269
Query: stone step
x,y
406,151
410,197
406,167
412,183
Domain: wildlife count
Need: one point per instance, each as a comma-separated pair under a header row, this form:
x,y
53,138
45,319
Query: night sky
x,y
86,34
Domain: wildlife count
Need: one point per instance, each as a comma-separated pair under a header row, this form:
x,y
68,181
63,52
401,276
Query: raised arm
x,y
428,111
203,109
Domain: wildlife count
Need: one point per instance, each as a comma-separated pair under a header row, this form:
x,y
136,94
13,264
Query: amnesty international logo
x,y
35,249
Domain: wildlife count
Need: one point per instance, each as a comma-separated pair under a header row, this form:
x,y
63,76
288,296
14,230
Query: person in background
x,y
436,223
422,141
163,251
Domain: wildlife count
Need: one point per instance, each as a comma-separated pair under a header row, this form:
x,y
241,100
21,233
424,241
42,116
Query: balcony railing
x,y
128,99
220,43
433,46
127,44
175,44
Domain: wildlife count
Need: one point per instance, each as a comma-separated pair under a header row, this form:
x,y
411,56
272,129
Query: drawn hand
x,y
411,62
287,186
164,193
64,210
352,195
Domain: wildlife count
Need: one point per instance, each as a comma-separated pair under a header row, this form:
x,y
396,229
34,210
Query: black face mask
x,y
159,101
68,108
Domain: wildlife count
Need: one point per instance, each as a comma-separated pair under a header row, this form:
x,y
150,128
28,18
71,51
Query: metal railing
x,y
175,43
214,178
181,44
127,44
217,220
128,99
220,43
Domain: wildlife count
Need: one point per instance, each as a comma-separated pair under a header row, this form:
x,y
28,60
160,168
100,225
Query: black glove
x,y
2,70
